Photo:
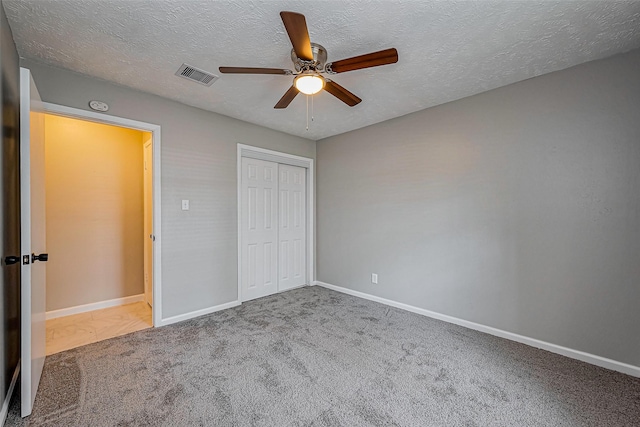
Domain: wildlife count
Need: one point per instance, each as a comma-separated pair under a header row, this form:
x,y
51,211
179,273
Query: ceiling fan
x,y
310,61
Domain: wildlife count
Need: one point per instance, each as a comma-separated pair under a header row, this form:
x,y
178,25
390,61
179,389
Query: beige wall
x,y
94,212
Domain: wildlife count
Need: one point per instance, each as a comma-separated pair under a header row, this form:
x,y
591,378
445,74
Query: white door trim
x,y
288,159
62,110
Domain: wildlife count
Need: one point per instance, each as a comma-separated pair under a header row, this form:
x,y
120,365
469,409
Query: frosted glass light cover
x,y
309,84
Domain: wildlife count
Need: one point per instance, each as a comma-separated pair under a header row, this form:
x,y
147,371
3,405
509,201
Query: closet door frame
x,y
287,159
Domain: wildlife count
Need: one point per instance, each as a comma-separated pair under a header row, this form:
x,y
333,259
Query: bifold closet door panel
x,y
259,229
292,219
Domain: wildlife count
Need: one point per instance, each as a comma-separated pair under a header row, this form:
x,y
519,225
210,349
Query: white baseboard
x,y
197,313
7,399
93,306
554,348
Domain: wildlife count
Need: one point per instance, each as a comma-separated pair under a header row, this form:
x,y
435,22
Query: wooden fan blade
x,y
374,59
250,70
287,98
296,26
341,93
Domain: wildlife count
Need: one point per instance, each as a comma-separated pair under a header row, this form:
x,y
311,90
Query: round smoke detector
x,y
98,106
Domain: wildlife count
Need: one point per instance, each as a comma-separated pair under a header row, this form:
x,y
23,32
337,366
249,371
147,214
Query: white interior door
x,y
292,233
33,240
259,229
148,222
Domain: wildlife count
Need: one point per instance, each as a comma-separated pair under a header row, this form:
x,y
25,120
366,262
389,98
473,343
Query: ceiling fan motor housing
x,y
317,64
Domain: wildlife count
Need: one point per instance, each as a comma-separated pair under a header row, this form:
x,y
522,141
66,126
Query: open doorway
x,y
99,210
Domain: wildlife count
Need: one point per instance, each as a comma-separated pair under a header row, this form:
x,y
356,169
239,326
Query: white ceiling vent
x,y
196,75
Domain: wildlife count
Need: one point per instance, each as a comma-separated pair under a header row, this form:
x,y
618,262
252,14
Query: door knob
x,y
11,260
41,257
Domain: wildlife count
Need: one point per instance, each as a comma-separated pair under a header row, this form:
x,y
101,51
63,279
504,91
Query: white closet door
x,y
292,238
259,252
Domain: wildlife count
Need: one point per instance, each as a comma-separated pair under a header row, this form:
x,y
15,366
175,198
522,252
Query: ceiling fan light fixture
x,y
309,84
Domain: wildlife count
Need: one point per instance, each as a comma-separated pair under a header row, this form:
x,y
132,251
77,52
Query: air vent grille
x,y
196,75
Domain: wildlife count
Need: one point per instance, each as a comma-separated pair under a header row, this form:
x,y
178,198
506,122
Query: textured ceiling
x,y
447,49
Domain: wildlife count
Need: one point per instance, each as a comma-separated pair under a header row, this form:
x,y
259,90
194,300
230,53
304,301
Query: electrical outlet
x,y
185,205
374,278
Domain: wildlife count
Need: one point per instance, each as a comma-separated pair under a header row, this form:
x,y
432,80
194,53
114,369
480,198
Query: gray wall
x,y
10,212
199,246
518,208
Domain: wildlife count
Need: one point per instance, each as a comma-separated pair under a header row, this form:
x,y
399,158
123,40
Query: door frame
x,y
288,159
145,211
76,113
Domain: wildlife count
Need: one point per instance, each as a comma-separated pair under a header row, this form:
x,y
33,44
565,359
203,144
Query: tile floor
x,y
73,331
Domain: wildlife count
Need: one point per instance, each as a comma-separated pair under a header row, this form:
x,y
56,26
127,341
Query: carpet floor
x,y
315,357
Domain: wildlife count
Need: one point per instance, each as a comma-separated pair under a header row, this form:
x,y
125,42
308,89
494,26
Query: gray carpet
x,y
314,357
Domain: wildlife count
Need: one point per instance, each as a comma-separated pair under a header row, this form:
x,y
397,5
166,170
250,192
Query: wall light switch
x,y
374,278
185,205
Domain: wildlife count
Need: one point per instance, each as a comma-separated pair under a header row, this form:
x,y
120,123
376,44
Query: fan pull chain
x,y
311,107
307,113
